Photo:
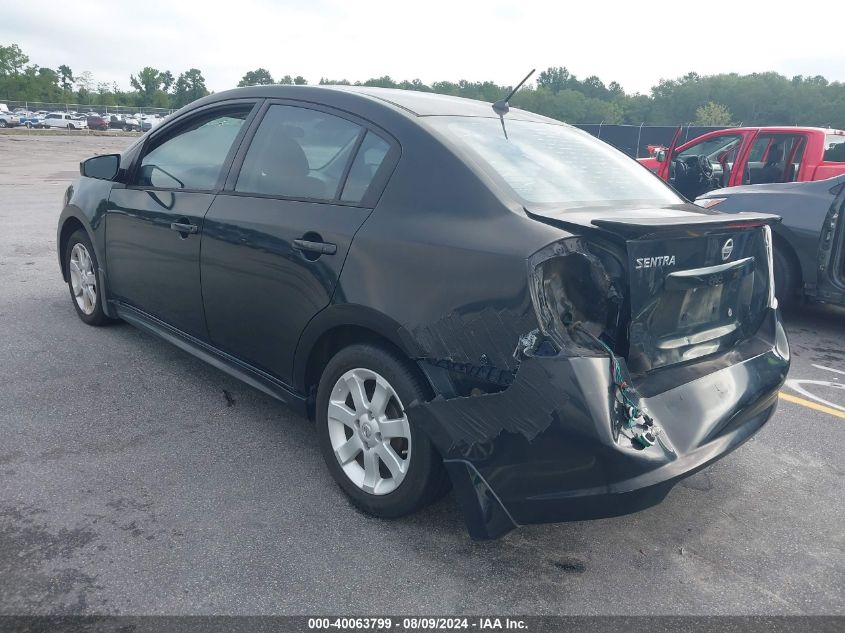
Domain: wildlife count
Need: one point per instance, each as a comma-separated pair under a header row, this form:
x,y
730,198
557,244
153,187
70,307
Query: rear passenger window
x,y
194,157
367,161
298,153
834,148
775,158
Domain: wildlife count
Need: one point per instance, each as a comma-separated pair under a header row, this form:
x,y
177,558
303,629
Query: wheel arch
x,y
68,227
784,245
71,220
339,326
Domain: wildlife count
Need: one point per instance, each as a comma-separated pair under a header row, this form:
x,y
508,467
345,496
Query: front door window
x,y
194,156
705,165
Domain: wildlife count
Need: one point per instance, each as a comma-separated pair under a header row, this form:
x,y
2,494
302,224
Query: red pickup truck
x,y
748,156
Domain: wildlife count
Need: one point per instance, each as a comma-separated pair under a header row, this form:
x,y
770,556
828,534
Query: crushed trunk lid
x,y
698,281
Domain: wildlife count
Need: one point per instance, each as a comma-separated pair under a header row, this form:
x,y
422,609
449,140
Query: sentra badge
x,y
655,262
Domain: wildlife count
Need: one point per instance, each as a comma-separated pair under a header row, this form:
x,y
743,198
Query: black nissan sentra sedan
x,y
506,305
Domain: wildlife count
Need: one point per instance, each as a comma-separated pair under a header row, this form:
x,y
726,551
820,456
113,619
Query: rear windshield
x,y
551,165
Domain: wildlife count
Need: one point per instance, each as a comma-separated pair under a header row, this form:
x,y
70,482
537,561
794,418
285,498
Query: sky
x,y
635,43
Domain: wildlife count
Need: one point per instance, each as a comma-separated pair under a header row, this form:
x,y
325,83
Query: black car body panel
x,y
442,262
146,267
551,448
811,232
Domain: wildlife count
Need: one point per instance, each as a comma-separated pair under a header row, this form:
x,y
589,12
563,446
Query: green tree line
x,y
22,81
765,98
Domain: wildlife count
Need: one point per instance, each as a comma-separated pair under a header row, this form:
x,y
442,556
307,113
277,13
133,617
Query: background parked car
x,y
31,120
809,243
150,121
750,156
131,124
7,119
64,120
116,121
96,122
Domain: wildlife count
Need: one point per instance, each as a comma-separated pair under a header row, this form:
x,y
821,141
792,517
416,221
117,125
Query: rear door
x,y
276,239
774,157
154,224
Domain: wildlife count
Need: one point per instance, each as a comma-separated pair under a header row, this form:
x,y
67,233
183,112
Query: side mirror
x,y
660,156
103,167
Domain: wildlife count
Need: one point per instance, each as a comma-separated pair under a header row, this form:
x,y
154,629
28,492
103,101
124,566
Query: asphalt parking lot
x,y
135,479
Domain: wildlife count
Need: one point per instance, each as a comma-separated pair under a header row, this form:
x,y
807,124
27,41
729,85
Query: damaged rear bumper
x,y
552,447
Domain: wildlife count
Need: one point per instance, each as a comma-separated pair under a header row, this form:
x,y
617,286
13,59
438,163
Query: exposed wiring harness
x,y
642,427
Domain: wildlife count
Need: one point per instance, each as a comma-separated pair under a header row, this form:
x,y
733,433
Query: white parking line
x,y
838,371
798,385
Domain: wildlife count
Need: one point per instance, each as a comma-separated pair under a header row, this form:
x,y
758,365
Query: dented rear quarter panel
x,y
444,257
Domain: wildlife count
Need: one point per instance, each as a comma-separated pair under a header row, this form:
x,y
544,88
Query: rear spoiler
x,y
638,227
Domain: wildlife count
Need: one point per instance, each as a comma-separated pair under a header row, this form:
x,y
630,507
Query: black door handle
x,y
183,227
323,248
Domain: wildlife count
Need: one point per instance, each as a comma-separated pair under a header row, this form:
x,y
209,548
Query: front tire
x,y
372,447
83,283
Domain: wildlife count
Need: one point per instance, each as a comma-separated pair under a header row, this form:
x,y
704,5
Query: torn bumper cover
x,y
551,447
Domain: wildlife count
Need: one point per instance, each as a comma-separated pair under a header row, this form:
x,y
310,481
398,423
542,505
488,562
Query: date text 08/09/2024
x,y
418,623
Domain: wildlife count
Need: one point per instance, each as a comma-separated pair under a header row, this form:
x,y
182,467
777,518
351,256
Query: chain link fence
x,y
635,140
36,106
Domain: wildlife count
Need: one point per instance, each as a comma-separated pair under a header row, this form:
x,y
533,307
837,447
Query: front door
x,y
274,245
705,164
154,224
831,256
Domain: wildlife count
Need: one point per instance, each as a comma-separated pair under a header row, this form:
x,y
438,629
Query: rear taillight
x,y
572,291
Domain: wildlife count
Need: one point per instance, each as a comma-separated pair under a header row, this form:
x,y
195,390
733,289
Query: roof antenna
x,y
502,107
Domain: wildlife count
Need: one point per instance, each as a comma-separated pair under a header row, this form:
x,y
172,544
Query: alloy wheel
x,y
369,431
83,280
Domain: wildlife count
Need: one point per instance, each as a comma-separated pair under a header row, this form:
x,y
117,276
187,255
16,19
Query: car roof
x,y
433,104
410,102
784,128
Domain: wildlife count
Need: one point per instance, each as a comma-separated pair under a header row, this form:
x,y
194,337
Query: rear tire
x,y
786,279
374,431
